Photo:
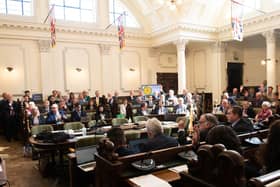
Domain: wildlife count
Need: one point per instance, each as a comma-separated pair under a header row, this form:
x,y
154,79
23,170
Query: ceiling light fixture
x,y
9,69
173,4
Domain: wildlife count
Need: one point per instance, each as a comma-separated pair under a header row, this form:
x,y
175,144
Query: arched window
x,y
116,9
75,10
17,7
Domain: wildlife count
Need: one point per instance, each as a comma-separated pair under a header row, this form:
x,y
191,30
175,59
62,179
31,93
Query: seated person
x,y
270,151
45,108
258,100
101,114
116,135
55,115
181,108
156,138
35,118
143,110
224,106
150,101
238,123
160,109
77,114
225,135
205,124
247,110
265,113
171,98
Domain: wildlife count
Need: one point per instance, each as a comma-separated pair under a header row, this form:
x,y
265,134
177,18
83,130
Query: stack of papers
x,y
179,169
149,180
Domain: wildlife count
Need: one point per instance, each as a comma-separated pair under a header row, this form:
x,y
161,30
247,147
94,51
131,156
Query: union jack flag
x,y
236,20
121,32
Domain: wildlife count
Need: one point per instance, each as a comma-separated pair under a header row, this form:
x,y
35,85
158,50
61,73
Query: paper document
x,y
179,169
149,180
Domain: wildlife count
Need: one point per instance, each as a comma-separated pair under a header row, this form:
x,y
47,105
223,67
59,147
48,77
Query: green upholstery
x,y
139,118
132,135
90,115
68,116
134,111
88,141
118,122
41,128
120,116
73,126
167,131
91,123
170,109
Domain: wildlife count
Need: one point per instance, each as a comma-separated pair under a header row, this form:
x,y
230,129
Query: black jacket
x,y
242,126
158,142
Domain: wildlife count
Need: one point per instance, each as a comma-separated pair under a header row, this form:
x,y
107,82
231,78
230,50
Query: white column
x,y
181,64
103,13
46,78
219,83
270,58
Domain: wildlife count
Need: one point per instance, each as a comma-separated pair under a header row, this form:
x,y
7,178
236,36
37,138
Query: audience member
x,y
143,110
257,102
181,108
156,138
55,116
224,135
126,110
117,136
224,106
265,113
101,114
238,123
270,151
247,110
78,113
35,118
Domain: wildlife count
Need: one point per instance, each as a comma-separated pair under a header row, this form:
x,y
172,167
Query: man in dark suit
x,y
157,140
77,114
247,110
10,116
239,124
143,110
131,98
55,116
2,106
98,100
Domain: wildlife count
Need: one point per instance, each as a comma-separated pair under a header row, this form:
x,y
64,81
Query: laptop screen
x,y
85,154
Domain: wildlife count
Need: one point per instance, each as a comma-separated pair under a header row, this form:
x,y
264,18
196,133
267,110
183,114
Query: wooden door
x,y
168,81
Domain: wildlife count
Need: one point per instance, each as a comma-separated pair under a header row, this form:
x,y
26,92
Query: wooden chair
x,y
136,119
118,122
270,179
73,126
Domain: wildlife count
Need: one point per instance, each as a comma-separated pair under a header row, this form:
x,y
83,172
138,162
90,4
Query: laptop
x,y
86,158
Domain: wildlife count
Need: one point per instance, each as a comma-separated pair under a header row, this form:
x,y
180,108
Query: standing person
x,y
11,118
125,109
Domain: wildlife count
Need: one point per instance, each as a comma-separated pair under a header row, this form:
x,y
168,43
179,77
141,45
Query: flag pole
x,y
49,13
242,4
108,26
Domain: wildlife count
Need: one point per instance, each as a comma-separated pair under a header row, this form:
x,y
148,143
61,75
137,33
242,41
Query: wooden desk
x,y
167,175
3,174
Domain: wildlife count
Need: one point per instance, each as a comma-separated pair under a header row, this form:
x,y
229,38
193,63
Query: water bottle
x,y
84,130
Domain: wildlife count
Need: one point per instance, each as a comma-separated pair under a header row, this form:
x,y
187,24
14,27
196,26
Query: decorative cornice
x,y
185,27
63,29
181,44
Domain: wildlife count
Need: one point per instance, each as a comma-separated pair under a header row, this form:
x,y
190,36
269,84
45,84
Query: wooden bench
x,y
115,173
269,179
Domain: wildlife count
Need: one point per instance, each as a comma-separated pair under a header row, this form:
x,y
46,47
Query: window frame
x,y
7,14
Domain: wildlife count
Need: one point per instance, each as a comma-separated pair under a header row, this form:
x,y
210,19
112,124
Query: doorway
x,y
235,75
168,81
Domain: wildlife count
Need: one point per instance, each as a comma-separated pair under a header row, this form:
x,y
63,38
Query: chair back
x,y
136,119
73,126
41,128
167,131
118,122
88,141
91,123
132,135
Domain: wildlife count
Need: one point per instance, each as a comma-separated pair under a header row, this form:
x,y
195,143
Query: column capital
x,y
105,49
44,46
270,36
181,44
219,46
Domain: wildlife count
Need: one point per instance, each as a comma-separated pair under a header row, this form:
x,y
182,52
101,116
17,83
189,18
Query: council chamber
x,y
152,93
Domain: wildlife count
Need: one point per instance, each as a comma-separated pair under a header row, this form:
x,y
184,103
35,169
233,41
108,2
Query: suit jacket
x,y
158,142
101,101
41,120
181,109
242,126
75,116
157,110
126,110
51,117
250,112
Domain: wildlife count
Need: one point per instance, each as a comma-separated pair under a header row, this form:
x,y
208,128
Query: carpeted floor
x,y
23,171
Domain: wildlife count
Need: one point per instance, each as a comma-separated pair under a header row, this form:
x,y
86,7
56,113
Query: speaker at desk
x,y
207,103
